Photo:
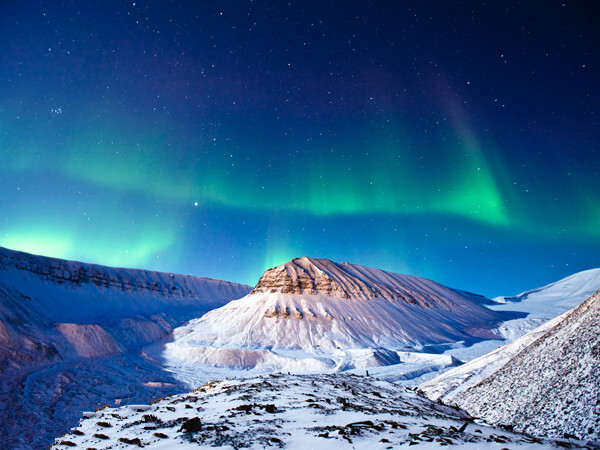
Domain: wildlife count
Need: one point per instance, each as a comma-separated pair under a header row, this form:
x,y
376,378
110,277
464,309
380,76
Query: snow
x,y
540,305
291,411
51,309
546,302
89,341
446,386
545,383
74,292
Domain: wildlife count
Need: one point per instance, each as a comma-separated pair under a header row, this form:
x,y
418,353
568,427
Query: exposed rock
x,y
320,276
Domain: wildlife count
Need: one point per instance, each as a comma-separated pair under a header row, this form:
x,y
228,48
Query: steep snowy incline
x,y
313,314
448,385
51,308
546,383
70,291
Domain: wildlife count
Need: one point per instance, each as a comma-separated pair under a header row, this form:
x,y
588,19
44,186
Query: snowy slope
x,y
543,307
293,412
538,306
43,300
546,383
314,314
71,334
558,297
547,302
449,384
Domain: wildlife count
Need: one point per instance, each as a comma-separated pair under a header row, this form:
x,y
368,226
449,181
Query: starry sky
x,y
452,140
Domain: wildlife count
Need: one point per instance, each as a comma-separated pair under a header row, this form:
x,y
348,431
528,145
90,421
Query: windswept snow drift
x,y
314,314
546,302
546,383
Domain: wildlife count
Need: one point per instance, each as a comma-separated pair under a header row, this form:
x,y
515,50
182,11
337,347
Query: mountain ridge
x,y
345,280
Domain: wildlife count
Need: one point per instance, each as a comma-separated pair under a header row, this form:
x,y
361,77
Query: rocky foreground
x,y
291,411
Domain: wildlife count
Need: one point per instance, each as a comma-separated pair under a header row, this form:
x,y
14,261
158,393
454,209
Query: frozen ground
x,y
293,412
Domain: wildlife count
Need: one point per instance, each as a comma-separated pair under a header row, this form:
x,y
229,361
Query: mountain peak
x,y
315,276
300,276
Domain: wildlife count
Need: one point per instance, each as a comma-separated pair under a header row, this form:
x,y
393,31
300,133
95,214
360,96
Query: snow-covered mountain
x,y
545,383
292,412
71,334
75,336
314,314
52,309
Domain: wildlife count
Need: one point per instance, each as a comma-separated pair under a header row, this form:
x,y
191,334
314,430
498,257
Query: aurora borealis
x,y
455,141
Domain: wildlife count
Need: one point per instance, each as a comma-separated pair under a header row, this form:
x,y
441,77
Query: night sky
x,y
452,140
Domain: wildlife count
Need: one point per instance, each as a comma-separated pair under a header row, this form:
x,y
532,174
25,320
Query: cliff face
x,y
300,276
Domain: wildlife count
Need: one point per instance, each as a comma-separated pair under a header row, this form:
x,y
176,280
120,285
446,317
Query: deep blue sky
x,y
452,140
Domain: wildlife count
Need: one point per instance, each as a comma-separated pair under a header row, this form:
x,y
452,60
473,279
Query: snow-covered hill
x,y
546,383
292,412
71,334
314,314
558,297
547,302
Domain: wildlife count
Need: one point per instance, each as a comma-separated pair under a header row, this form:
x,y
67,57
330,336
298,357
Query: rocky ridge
x,y
74,274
